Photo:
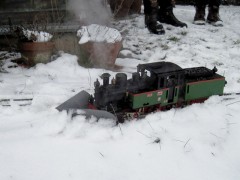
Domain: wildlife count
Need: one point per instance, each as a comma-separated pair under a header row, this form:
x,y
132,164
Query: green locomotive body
x,y
194,92
195,85
150,98
204,89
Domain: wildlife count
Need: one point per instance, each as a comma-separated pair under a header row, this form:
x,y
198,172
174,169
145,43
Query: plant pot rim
x,y
51,42
36,46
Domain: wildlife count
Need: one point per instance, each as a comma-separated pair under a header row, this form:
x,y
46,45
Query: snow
x,y
198,142
98,33
39,35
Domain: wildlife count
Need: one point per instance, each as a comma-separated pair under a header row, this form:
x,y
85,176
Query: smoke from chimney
x,y
90,11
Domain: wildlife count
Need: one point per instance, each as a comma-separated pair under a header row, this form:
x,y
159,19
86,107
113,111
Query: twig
x,y
231,123
120,128
117,118
186,143
175,111
217,136
233,103
144,134
101,154
178,140
150,125
90,79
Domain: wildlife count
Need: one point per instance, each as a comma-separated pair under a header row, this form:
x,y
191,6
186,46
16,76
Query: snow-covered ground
x,y
199,142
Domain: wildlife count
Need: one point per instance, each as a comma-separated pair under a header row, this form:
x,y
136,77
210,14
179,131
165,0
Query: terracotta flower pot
x,y
36,52
99,45
101,54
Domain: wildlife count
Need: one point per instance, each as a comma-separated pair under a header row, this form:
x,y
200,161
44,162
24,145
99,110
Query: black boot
x,y
165,15
213,16
150,11
199,17
153,25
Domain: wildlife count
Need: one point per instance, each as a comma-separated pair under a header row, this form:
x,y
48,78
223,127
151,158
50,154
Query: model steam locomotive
x,y
154,87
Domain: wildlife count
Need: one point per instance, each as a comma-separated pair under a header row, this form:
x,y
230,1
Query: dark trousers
x,y
209,2
149,5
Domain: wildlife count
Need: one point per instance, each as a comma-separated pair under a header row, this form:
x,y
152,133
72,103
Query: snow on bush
x,y
37,36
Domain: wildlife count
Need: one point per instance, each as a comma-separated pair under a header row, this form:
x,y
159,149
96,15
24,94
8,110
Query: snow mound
x,y
98,33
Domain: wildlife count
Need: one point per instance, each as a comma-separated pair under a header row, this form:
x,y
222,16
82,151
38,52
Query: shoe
x,y
199,17
213,16
166,16
153,25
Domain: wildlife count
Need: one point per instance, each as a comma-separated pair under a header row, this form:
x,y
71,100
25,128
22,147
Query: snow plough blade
x,y
80,102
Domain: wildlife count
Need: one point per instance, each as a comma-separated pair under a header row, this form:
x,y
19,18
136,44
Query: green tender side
x,y
152,98
204,89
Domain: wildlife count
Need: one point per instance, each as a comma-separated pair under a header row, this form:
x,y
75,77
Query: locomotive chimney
x,y
135,77
121,79
105,78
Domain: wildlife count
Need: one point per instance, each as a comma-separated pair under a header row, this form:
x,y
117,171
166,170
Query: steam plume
x,y
90,11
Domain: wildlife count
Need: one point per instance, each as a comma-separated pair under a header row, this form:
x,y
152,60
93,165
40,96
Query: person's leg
x,y
213,13
165,13
150,11
200,6
201,2
214,2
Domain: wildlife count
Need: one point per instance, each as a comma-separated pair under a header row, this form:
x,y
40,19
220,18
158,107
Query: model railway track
x,y
17,101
